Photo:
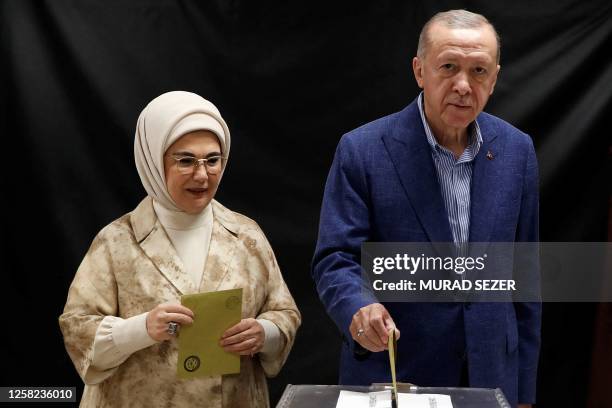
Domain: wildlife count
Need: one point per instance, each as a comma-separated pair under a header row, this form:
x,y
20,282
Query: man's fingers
x,y
363,334
355,326
357,322
377,317
389,324
368,339
372,337
365,319
375,322
372,319
369,345
380,330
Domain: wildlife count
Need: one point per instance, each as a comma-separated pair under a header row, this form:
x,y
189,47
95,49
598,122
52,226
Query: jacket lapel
x,y
223,242
410,154
155,243
483,197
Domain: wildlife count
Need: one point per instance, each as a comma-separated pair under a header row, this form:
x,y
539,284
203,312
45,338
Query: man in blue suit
x,y
440,170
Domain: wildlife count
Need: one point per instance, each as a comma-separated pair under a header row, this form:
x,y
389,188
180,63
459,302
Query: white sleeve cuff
x,y
116,339
273,335
130,335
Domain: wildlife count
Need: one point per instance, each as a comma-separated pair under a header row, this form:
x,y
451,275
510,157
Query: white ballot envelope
x,y
423,401
382,399
351,399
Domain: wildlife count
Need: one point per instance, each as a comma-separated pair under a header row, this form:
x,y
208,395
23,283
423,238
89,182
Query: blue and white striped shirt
x,y
455,177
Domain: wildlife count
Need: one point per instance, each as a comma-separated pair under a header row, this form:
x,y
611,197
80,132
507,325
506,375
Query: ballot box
x,y
326,396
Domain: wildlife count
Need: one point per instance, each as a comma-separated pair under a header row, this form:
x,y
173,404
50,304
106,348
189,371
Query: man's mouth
x,y
461,105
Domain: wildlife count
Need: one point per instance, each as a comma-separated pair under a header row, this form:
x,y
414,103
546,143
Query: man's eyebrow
x,y
458,54
448,54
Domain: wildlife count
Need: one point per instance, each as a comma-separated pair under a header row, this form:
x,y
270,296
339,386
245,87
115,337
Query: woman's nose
x,y
199,173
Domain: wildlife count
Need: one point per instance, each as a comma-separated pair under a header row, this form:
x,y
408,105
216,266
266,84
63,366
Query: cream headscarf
x,y
162,122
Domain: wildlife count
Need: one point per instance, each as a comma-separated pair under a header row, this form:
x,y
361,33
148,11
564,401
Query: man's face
x,y
457,74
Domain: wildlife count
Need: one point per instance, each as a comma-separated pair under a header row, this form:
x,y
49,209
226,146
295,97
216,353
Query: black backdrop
x,y
290,78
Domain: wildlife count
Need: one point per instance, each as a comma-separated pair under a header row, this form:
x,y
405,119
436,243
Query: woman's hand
x,y
161,315
244,338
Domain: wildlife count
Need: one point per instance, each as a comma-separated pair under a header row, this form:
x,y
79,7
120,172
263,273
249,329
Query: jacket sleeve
x,y
278,308
91,297
529,314
344,225
117,339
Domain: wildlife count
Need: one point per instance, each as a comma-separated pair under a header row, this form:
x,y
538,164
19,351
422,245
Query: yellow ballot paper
x,y
392,347
199,351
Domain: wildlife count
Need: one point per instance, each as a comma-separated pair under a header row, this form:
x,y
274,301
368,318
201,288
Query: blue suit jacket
x,y
383,187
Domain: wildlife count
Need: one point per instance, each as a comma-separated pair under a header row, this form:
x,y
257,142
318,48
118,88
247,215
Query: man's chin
x,y
460,121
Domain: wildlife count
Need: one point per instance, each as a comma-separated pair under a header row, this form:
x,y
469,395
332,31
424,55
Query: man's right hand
x,y
370,327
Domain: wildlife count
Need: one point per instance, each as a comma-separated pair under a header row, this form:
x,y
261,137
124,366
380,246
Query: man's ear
x,y
494,80
417,68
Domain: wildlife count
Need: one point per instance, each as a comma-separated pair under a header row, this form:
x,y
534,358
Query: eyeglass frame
x,y
197,163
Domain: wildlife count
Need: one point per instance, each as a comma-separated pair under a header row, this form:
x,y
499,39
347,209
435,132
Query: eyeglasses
x,y
188,164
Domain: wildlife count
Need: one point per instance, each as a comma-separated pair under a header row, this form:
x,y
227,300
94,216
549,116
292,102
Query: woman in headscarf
x,y
123,308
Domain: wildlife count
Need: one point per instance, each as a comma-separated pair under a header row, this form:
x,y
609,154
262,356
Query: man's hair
x,y
454,19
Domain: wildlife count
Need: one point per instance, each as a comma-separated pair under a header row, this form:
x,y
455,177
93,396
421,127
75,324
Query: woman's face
x,y
192,192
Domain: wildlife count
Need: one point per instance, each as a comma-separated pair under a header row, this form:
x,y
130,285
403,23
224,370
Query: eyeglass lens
x,y
187,164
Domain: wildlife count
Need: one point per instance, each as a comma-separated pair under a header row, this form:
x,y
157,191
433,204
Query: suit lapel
x,y
223,243
483,196
157,246
410,153
485,176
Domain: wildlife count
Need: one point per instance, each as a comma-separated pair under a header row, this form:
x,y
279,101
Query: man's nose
x,y
461,84
199,173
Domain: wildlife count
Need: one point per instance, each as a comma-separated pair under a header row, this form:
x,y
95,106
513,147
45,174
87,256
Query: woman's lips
x,y
198,192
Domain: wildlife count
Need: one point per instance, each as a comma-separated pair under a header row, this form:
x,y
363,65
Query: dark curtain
x,y
290,78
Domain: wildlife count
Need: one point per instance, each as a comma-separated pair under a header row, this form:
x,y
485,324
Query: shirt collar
x,y
474,136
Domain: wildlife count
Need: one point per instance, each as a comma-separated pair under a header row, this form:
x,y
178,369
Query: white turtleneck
x,y
190,235
117,338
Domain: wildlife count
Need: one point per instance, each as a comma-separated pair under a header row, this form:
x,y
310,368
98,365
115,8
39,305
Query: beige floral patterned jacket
x,y
131,267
